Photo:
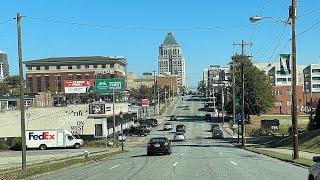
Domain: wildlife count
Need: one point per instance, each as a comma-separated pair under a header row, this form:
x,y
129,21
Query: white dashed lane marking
x,y
114,166
175,164
234,163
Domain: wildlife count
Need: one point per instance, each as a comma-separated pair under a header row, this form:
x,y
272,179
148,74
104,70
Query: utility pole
x,y
294,80
243,46
154,93
233,94
222,102
158,104
114,118
243,143
22,113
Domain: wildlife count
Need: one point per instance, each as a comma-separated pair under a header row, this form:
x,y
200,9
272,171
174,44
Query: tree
x,y
258,96
4,89
12,81
314,123
143,92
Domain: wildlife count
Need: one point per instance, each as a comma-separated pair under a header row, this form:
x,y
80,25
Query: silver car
x,y
314,171
167,126
179,136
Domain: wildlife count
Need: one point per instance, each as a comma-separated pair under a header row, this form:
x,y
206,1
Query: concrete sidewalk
x,y
9,159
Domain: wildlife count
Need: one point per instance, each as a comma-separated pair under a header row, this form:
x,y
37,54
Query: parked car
x,y
138,131
159,145
167,126
215,126
181,128
314,171
179,136
217,134
207,117
152,122
173,118
147,127
122,137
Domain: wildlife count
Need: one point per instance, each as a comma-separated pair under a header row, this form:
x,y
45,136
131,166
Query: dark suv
x,y
159,145
181,128
152,122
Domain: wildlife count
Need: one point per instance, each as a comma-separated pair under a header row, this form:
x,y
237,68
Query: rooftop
x,y
78,60
169,39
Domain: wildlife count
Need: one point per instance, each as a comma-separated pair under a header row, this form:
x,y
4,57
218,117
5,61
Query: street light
x,y
121,121
254,19
292,17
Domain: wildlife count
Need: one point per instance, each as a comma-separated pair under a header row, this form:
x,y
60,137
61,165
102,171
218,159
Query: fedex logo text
x,y
43,136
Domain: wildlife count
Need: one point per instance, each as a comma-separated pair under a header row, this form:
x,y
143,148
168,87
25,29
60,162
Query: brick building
x,y
49,74
283,100
170,82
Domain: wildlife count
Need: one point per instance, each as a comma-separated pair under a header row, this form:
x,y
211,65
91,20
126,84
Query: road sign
x,y
108,85
238,117
238,101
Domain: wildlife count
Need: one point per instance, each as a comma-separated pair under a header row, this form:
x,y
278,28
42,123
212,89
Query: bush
x,y
257,132
16,144
4,146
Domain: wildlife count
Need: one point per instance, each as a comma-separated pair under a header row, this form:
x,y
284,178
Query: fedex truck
x,y
44,139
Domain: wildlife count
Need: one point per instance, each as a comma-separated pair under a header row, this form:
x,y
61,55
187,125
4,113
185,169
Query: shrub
x,y
257,132
4,146
16,144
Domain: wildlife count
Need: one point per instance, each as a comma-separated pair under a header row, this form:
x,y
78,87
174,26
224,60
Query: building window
x,y
70,67
29,84
39,84
277,92
78,66
46,67
78,76
111,65
87,76
47,82
70,77
95,76
103,66
59,87
37,67
87,66
29,67
58,67
95,66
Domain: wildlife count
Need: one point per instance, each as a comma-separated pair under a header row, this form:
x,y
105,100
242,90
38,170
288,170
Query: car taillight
x,y
149,145
166,144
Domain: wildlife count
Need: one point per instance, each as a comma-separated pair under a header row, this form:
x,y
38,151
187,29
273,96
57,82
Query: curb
x,y
284,160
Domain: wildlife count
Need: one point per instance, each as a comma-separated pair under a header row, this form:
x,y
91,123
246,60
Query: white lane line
x,y
114,166
214,148
234,163
175,164
181,154
220,153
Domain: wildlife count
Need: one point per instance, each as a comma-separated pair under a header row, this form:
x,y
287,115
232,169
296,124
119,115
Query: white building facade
x,y
171,61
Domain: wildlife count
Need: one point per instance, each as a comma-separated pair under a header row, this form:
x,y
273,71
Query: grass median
x,y
41,168
281,156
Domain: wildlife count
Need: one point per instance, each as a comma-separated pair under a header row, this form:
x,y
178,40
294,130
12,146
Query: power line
x,y
137,28
306,13
5,21
309,28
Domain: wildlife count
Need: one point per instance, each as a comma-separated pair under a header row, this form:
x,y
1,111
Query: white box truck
x,y
44,139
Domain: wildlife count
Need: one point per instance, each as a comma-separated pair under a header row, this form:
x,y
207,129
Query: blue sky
x,y
201,48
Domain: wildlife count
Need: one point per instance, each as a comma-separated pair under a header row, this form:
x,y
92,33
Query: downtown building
x,y
49,74
4,66
171,62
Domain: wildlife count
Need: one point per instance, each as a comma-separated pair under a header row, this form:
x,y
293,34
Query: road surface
x,y
197,158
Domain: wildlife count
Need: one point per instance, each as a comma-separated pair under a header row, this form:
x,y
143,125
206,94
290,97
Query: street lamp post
x,y
293,16
121,121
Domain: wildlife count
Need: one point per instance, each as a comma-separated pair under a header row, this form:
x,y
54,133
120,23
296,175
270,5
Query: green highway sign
x,y
107,85
238,100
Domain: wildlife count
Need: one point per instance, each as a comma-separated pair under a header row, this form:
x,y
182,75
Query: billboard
x,y
107,85
144,102
78,86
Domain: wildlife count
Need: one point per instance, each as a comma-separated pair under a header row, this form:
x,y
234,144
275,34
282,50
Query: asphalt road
x,y
197,158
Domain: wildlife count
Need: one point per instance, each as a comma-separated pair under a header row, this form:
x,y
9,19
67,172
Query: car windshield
x,y
178,134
